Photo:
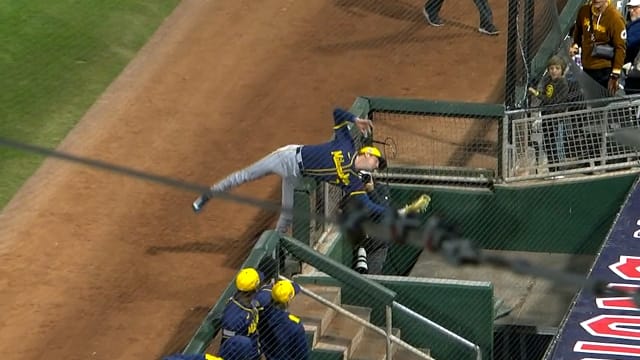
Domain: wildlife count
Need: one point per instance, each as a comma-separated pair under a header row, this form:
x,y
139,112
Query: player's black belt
x,y
299,159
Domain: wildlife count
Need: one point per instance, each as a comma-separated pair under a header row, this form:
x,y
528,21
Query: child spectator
x,y
553,91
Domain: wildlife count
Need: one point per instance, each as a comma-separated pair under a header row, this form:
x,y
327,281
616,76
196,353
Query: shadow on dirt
x,y
399,10
235,249
184,331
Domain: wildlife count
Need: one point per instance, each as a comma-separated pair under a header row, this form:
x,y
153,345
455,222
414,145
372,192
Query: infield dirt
x,y
98,266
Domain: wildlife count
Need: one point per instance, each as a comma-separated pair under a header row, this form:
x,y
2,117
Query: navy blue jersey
x,y
333,161
282,335
238,348
240,319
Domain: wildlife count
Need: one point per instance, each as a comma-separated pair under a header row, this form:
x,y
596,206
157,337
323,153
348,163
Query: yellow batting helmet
x,y
374,151
212,357
247,279
283,291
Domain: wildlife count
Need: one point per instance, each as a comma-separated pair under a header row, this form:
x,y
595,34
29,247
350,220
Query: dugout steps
x,y
336,336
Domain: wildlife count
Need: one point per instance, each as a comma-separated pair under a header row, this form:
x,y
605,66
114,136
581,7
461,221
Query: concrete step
x,y
373,346
312,312
403,354
344,332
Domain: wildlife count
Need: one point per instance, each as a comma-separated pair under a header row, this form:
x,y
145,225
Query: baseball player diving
x,y
336,162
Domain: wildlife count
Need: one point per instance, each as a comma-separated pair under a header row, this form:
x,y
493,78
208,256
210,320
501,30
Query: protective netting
x,y
437,141
468,187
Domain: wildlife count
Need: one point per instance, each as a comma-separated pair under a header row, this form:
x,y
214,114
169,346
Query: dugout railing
x,y
568,139
441,342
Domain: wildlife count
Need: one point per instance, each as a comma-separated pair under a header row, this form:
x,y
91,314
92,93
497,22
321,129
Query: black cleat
x,y
200,202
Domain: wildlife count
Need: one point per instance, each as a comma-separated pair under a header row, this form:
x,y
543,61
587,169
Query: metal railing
x,y
574,138
386,296
474,347
387,333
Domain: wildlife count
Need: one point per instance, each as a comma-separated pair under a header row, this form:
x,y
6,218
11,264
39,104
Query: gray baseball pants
x,y
282,162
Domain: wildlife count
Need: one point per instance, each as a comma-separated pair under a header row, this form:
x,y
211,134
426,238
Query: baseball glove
x,y
419,205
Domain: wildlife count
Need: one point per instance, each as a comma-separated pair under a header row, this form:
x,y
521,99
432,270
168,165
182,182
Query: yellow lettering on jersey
x,y
294,318
254,325
338,158
549,91
212,357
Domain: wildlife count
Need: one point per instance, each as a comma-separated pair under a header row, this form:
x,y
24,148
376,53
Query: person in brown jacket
x,y
600,23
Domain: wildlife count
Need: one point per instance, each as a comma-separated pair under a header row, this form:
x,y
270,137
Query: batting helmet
x,y
283,291
247,279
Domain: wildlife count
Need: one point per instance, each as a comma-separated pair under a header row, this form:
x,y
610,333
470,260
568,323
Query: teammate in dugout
x,y
282,335
335,162
241,314
235,348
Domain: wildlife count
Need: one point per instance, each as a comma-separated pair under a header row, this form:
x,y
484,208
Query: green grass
x,y
56,58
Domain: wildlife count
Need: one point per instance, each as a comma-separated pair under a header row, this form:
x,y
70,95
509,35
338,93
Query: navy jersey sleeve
x,y
375,210
341,119
355,191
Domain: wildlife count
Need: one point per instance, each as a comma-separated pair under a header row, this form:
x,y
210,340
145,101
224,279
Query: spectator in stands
x,y
632,80
600,32
431,9
552,93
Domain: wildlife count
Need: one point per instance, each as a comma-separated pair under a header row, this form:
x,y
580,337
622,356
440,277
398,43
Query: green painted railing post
x,y
304,208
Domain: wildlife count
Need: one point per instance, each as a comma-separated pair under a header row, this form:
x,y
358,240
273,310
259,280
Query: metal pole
x,y
512,53
389,331
527,36
365,323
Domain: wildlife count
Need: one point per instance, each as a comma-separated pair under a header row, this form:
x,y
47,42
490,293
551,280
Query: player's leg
x,y
278,162
281,162
431,11
285,220
376,260
486,18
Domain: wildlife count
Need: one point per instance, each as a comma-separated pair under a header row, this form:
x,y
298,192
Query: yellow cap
x,y
283,291
212,357
248,279
371,150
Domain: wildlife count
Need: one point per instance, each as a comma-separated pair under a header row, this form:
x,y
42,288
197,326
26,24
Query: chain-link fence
x,y
447,159
559,143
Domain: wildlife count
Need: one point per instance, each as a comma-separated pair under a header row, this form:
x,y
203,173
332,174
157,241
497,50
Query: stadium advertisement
x,y
607,328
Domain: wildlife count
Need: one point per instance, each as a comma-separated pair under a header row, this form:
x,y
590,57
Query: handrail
x,y
363,322
337,270
437,107
440,328
631,100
